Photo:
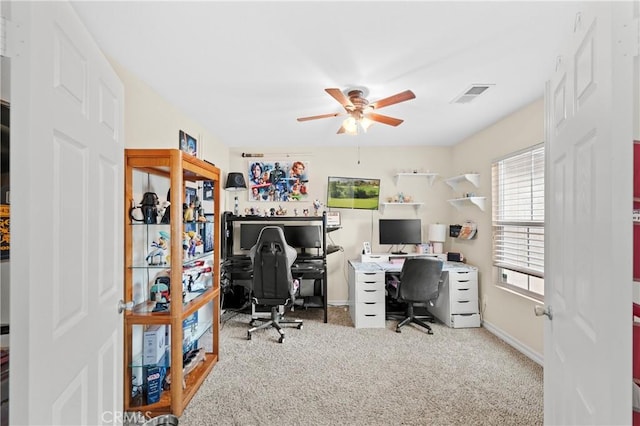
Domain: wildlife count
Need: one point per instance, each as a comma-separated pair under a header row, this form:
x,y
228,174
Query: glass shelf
x,y
145,308
185,262
165,361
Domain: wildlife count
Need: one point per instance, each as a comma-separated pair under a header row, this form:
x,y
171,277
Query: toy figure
x,y
159,248
189,214
185,243
316,206
197,209
194,239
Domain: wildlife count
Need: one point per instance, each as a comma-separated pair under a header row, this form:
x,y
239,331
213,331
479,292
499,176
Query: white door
x,y
587,347
66,222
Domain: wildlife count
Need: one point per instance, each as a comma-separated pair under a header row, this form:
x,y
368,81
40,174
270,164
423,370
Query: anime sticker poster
x,y
278,181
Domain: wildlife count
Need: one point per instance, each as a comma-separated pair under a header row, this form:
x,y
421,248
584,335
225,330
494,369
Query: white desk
x,y
456,306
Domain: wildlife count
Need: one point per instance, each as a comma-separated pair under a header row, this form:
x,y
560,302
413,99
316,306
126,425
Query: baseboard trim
x,y
519,346
338,302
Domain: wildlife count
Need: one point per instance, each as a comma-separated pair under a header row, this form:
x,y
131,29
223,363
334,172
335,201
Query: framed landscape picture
x,y
188,143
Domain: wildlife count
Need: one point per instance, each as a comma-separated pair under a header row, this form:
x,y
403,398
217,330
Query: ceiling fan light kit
x,y
360,112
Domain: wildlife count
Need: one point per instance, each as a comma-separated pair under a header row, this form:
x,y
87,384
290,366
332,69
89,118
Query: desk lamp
x,y
437,236
235,182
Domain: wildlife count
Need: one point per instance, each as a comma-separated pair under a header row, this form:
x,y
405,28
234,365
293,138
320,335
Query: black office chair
x,y
420,281
272,283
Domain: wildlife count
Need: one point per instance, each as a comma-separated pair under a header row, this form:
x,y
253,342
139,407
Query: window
x,y
518,221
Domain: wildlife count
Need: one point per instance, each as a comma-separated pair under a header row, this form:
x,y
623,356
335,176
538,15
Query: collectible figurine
x,y
159,248
194,239
189,214
185,243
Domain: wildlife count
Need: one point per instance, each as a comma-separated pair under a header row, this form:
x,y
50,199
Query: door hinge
x,y
10,40
628,38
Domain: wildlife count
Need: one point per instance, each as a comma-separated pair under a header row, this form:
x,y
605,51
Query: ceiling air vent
x,y
471,93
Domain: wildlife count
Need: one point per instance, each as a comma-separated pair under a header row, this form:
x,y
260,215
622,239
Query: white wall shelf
x,y
430,176
461,202
453,182
416,206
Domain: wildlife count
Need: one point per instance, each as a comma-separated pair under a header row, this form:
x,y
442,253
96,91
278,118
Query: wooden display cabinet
x,y
157,171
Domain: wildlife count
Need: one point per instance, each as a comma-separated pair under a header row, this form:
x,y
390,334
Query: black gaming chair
x,y
272,282
420,281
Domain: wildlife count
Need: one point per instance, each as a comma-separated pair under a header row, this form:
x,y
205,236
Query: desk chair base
x,y
275,321
411,318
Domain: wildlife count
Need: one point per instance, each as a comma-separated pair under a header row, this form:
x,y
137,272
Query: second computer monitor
x,y
249,233
303,236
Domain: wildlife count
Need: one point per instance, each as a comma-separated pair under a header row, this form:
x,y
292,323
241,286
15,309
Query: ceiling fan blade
x,y
397,98
384,119
341,130
340,97
315,117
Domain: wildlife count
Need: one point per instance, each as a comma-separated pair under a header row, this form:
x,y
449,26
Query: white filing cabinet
x,y
457,303
366,295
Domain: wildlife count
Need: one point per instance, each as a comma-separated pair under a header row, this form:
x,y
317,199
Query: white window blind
x,y
518,212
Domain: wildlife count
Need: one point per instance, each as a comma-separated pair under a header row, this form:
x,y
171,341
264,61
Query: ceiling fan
x,y
360,112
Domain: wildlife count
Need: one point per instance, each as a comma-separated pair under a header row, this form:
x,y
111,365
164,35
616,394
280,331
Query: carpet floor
x,y
334,374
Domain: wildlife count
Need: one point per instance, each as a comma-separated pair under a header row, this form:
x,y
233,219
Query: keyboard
x,y
304,266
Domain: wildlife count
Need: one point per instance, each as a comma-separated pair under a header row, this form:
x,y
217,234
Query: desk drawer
x,y
369,315
463,276
465,321
465,292
464,306
370,295
369,277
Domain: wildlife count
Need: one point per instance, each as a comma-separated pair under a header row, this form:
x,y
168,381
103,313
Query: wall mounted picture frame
x,y
207,190
188,143
278,181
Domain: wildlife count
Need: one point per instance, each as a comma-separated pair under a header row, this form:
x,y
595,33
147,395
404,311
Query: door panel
x,y
68,119
587,375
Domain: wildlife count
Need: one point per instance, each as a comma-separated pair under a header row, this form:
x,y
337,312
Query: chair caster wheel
x,y
429,331
252,323
248,336
431,320
281,339
398,330
299,326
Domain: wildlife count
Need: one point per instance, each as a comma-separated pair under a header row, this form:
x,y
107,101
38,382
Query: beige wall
x,y
152,122
362,225
510,313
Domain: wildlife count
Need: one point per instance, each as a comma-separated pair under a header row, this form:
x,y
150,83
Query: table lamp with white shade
x,y
437,236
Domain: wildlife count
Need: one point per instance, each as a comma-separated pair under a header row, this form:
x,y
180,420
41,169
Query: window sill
x,y
534,297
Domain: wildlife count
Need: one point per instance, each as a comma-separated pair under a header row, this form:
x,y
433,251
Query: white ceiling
x,y
247,70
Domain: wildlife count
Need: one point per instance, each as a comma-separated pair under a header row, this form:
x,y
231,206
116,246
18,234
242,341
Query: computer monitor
x,y
400,232
303,236
249,233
